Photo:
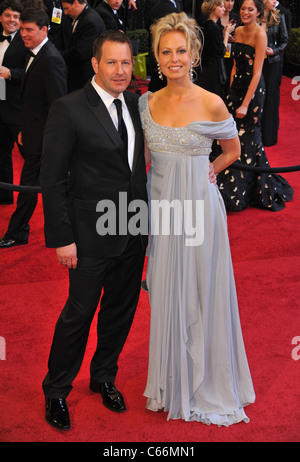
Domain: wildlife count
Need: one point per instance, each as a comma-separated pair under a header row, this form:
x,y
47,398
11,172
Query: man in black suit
x,y
86,27
87,148
12,61
45,80
60,28
108,11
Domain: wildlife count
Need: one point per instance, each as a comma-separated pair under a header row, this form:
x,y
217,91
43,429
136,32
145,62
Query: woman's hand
x,y
269,51
241,111
211,174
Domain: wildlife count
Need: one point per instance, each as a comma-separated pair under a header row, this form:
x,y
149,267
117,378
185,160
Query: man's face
x,y
115,4
72,10
32,35
114,70
10,21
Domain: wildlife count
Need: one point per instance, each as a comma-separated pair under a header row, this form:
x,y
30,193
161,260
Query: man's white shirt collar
x,y
106,97
37,49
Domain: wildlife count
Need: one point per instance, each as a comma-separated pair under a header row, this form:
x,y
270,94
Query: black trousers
x,y
120,279
8,137
18,227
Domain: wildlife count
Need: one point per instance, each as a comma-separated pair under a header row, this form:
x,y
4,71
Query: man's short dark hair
x,y
38,16
13,5
72,1
109,36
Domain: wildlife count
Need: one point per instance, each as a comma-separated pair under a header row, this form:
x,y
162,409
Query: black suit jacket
x,y
81,140
59,34
14,59
161,9
79,52
43,82
111,20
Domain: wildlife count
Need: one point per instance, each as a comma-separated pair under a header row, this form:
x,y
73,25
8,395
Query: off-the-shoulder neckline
x,y
204,122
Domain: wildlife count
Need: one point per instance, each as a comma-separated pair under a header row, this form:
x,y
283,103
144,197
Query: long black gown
x,y
239,188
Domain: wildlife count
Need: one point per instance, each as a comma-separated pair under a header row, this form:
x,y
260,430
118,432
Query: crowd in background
x,y
72,26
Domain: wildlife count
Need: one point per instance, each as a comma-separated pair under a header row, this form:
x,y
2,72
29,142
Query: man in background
x,y
45,79
12,61
86,26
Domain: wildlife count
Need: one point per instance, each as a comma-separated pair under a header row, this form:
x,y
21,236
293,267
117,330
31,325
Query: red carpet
x,y
266,257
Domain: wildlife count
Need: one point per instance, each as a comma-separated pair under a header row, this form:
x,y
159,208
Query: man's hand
x,y
4,72
67,255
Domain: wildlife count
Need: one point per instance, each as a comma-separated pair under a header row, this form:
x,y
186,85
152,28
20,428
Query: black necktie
x,y
121,124
5,37
30,53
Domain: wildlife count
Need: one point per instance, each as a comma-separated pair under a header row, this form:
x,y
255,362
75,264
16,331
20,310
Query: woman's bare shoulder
x,y
213,105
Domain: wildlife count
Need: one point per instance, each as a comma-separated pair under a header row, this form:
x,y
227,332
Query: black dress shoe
x,y
6,243
57,413
112,398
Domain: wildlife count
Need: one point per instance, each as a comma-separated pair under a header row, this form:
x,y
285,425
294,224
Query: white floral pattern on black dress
x,y
240,188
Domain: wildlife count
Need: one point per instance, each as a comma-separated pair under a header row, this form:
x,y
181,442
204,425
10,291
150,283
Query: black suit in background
x,y
81,139
58,33
10,120
79,51
159,10
43,82
111,20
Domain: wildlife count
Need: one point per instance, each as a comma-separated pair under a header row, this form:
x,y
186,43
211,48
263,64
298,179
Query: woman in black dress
x,y
245,101
212,75
274,24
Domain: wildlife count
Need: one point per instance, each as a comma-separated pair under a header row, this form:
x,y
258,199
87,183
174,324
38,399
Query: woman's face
x,y
219,10
270,5
228,4
173,56
248,12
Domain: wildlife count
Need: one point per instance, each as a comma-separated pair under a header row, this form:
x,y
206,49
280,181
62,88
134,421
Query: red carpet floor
x,y
266,257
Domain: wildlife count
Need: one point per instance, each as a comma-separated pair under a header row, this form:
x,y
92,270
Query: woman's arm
x,y
233,71
231,150
260,51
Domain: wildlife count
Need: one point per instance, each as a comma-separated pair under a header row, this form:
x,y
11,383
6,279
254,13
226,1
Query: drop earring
x,y
159,72
191,71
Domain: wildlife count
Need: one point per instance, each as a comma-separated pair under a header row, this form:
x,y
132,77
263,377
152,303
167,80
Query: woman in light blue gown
x,y
198,368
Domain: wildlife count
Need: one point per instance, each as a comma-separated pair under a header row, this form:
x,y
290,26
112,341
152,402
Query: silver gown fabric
x,y
198,369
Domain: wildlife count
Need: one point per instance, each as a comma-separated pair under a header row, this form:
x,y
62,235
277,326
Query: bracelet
x,y
9,75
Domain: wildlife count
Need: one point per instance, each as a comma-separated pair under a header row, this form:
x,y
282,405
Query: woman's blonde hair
x,y
208,6
179,22
272,17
